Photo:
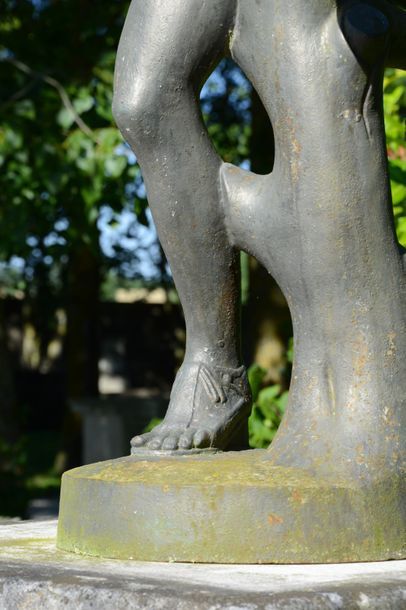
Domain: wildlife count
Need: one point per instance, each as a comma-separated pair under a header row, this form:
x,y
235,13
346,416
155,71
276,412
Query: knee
x,y
137,109
130,108
121,110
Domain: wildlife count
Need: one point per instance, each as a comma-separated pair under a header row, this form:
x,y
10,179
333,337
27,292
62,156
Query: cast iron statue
x,y
320,222
331,487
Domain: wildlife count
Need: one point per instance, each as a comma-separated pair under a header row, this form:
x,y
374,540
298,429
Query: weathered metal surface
x,y
227,508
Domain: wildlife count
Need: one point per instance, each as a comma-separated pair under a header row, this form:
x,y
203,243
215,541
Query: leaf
x,y
256,376
25,109
65,118
104,74
115,166
108,138
399,197
152,424
397,170
269,394
83,103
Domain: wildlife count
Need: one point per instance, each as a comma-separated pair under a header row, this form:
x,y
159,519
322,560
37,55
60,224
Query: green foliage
x,y
61,157
62,160
395,124
225,103
13,457
26,472
155,421
269,404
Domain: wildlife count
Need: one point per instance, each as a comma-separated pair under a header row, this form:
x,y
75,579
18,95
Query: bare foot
x,y
208,408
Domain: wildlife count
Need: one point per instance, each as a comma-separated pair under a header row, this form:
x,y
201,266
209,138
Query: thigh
x,y
171,40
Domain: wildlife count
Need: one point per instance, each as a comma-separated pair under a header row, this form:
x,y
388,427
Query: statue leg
x,y
166,51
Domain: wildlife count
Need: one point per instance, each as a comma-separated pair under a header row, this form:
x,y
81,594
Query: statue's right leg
x,y
166,51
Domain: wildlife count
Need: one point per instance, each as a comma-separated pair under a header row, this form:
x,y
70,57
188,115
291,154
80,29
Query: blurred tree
x,y
62,159
8,425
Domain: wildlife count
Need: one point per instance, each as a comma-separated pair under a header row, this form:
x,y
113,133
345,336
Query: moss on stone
x,y
227,508
250,468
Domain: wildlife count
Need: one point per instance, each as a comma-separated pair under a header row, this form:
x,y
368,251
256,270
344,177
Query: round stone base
x,y
227,508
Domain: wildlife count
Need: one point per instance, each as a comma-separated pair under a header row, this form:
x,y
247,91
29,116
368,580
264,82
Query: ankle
x,y
214,357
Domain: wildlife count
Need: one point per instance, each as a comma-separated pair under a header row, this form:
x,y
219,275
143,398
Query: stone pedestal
x,y
227,508
34,574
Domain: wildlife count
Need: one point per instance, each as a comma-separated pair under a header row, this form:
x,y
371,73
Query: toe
x,y
139,441
201,439
155,443
170,443
186,440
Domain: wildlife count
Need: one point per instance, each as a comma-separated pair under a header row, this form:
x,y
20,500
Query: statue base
x,y
227,508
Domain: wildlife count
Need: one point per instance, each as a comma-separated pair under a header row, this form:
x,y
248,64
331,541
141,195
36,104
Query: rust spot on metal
x,y
391,350
297,497
275,520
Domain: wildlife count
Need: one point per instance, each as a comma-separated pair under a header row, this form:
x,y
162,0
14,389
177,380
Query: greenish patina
x,y
227,508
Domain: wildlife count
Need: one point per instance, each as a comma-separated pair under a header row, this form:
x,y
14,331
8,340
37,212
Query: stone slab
x,y
34,574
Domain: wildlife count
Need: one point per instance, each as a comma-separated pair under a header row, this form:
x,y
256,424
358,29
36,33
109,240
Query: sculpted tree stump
x,y
330,487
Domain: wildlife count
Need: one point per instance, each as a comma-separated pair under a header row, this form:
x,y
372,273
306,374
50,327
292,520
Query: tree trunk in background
x,y
83,323
268,325
82,347
8,423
